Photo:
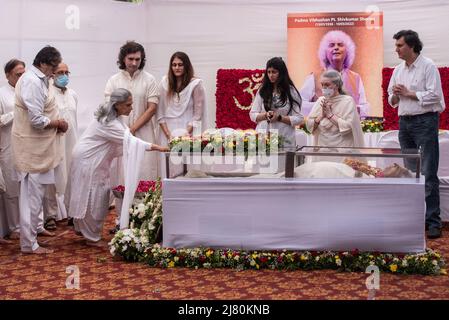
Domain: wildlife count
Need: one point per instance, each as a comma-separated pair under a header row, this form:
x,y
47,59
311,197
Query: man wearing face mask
x,y
67,101
333,120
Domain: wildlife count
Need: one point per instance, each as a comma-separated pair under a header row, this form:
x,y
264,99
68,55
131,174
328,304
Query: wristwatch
x,y
279,118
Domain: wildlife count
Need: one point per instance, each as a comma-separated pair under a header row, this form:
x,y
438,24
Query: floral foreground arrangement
x,y
372,125
139,243
234,142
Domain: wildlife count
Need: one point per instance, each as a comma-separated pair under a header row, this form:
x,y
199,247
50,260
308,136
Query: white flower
x,y
151,226
404,263
434,262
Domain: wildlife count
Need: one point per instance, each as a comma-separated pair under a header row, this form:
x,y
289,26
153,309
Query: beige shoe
x,y
39,250
97,244
14,235
46,233
4,241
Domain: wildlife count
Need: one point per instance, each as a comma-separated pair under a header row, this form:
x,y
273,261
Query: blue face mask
x,y
62,81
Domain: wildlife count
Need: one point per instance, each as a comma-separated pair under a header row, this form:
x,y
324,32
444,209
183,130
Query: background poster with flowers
x,y
236,90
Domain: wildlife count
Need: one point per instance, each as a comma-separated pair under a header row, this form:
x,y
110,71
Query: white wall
x,y
216,34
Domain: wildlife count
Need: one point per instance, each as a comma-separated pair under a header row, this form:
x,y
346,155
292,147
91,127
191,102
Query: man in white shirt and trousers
x,y
145,93
415,87
35,142
14,69
67,102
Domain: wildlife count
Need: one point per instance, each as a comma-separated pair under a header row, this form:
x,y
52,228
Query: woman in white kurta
x,y
91,160
13,70
277,104
181,103
334,120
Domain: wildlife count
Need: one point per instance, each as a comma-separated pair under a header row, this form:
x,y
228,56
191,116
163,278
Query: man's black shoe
x,y
434,233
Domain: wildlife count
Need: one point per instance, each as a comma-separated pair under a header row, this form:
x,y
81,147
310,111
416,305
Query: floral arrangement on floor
x,y
139,243
238,142
372,125
142,188
145,223
427,263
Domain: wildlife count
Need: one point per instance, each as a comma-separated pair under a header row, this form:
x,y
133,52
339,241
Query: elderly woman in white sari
x,y
91,160
181,102
333,120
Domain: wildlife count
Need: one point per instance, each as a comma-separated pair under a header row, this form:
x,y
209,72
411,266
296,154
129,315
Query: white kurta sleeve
x,y
307,92
34,99
295,116
6,118
256,108
153,92
108,89
199,101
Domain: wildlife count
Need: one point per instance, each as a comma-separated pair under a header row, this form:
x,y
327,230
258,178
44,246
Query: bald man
x,y
67,102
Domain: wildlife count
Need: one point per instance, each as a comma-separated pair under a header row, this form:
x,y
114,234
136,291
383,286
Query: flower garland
x,y
238,142
372,125
427,263
145,221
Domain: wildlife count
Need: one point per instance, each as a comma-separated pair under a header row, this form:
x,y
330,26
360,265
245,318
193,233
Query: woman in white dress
x,y
181,101
90,169
277,105
334,120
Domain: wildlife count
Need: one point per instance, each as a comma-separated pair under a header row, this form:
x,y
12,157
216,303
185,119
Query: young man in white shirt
x,y
415,87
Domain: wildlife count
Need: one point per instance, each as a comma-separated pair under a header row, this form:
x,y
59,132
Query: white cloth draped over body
x,y
89,185
67,102
352,84
144,89
11,195
285,130
179,112
348,133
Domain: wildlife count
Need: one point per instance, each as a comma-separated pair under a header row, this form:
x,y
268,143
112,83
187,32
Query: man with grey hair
x,y
35,143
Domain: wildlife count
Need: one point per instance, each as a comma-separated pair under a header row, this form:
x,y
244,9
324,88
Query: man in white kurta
x,y
13,71
144,89
67,102
35,143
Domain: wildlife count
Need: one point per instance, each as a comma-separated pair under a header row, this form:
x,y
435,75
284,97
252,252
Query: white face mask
x,y
328,92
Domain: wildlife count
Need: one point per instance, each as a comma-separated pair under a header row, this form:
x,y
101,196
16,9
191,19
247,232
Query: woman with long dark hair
x,y
277,104
182,101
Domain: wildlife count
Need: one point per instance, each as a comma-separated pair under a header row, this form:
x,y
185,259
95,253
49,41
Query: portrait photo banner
x,y
305,32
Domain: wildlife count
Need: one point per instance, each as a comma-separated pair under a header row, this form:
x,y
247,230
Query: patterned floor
x,y
102,277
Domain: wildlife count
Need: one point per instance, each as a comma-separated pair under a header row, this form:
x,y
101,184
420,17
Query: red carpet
x,y
102,277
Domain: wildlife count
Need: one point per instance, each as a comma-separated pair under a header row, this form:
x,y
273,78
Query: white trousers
x,y
12,213
31,200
